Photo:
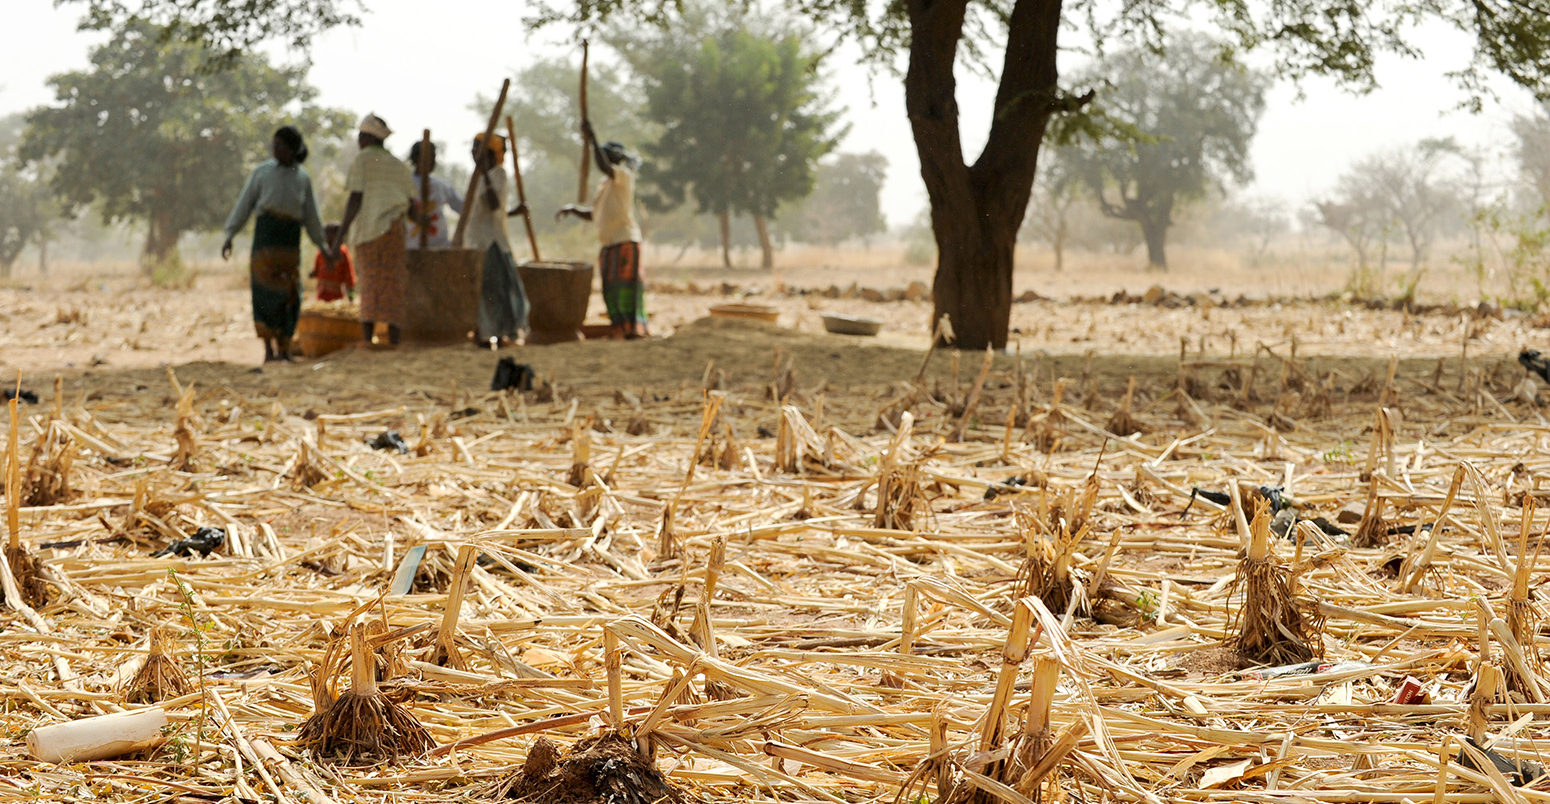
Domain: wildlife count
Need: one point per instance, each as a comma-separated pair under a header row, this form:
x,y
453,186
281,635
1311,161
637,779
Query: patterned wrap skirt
x,y
382,270
503,300
624,288
274,275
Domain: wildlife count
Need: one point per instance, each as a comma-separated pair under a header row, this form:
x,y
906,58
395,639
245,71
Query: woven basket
x,y
318,333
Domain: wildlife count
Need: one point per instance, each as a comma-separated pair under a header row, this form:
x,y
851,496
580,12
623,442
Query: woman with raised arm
x,y
613,210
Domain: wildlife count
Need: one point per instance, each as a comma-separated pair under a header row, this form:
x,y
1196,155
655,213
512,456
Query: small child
x,y
336,279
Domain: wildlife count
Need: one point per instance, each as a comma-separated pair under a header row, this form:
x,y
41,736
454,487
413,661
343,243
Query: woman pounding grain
x,y
281,192
442,195
382,192
624,287
503,300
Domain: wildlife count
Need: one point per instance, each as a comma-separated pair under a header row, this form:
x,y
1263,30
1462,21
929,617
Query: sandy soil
x,y
94,320
279,454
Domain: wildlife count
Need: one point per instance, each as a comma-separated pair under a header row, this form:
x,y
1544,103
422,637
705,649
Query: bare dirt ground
x,y
823,581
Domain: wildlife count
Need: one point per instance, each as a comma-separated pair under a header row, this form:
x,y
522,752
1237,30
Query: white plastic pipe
x,y
103,737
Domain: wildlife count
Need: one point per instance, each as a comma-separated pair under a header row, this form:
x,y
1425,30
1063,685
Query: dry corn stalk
x,y
899,496
1123,422
1522,618
184,431
160,677
1416,565
1271,625
1373,530
47,481
24,566
361,723
581,455
445,652
1050,539
796,443
307,468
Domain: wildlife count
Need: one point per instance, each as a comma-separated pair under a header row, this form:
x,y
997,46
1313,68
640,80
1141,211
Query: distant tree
x,y
1358,219
147,135
1184,122
28,213
1532,151
26,217
225,31
742,125
1056,192
1255,221
845,202
978,201
1410,191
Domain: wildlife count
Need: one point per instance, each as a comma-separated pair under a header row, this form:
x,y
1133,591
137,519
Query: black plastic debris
x,y
488,562
1010,485
1329,528
22,394
1275,495
1519,772
512,376
390,440
204,542
1531,360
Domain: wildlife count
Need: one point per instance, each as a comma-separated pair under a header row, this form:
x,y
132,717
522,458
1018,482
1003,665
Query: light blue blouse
x,y
282,190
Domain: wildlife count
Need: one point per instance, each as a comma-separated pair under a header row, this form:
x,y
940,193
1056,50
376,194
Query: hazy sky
x,y
419,65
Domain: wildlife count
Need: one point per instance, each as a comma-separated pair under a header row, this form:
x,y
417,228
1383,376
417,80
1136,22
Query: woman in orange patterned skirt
x,y
381,193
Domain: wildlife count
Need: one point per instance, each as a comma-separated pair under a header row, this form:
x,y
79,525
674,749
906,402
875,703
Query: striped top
x,y
385,185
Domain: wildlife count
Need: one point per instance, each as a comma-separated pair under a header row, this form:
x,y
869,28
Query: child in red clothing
x,y
336,278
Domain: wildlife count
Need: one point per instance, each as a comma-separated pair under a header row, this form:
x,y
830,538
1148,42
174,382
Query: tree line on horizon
x,y
979,201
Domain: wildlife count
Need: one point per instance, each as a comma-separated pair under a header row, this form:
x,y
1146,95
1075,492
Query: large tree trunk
x,y
975,210
726,239
767,249
973,285
1156,234
161,243
1058,242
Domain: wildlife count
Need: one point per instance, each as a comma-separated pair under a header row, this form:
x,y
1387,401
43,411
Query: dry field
x,y
749,562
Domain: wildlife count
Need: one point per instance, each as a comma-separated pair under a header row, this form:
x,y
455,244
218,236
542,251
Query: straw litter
x,y
978,595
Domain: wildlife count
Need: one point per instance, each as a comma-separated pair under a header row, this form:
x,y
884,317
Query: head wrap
x,y
291,136
375,126
619,155
497,143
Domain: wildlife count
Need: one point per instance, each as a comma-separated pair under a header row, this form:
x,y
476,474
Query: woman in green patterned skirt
x,y
280,192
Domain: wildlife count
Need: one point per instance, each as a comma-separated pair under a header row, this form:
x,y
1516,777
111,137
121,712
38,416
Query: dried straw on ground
x,y
848,661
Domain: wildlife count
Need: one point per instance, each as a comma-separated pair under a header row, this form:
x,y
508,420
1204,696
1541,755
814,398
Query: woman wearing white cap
x,y
382,192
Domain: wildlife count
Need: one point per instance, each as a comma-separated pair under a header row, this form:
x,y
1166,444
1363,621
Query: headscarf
x,y
619,155
496,143
291,136
375,126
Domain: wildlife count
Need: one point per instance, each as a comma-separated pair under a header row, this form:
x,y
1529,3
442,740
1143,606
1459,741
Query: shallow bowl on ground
x,y
841,324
